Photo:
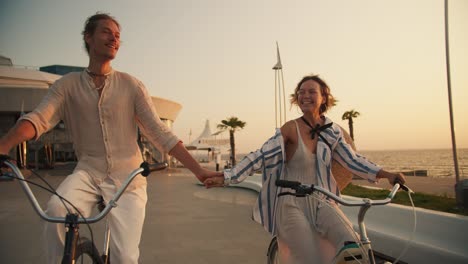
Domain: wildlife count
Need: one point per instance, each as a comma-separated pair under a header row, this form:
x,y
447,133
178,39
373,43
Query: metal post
x,y
452,129
276,98
284,97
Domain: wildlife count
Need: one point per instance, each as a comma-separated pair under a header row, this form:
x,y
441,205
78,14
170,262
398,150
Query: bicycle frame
x,y
37,207
72,220
364,205
303,190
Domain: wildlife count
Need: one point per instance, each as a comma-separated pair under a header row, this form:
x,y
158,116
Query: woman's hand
x,y
205,174
217,181
392,177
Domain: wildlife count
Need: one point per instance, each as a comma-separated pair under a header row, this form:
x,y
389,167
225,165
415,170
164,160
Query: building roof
x,y
5,61
11,76
23,89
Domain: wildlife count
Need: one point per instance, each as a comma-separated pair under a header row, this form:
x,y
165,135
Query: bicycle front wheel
x,y
87,253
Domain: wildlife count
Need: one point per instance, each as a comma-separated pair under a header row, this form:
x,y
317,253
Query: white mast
x,y
280,96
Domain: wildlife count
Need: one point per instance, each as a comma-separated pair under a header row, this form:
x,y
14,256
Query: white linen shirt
x,y
103,128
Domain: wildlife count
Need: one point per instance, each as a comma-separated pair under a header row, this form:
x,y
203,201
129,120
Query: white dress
x,y
308,232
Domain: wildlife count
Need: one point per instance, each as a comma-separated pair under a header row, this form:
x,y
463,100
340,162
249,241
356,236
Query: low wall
x,y
438,238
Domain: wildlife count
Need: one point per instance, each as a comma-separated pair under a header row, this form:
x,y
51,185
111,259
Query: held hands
x,y
205,174
217,181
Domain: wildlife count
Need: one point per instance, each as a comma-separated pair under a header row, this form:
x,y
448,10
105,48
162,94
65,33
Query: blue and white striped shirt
x,y
270,161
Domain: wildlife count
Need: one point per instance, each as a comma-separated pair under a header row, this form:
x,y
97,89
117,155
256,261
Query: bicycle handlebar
x,y
144,169
148,168
364,204
305,189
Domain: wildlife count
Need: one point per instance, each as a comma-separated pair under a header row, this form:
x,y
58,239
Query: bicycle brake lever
x,y
402,186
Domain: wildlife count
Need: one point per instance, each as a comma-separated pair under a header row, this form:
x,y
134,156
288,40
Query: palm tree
x,y
350,115
232,124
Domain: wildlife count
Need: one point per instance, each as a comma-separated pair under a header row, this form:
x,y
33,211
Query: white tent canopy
x,y
208,140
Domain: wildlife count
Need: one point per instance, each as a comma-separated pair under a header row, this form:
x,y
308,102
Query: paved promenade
x,y
185,222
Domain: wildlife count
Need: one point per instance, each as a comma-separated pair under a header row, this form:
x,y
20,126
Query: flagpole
x,y
452,125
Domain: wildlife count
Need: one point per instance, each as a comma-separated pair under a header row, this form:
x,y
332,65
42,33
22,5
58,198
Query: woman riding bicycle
x,y
303,150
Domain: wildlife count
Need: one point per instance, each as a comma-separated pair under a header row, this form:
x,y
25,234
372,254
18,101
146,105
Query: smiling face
x,y
312,95
104,42
309,97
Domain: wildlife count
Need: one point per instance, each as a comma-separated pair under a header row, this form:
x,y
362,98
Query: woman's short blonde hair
x,y
325,90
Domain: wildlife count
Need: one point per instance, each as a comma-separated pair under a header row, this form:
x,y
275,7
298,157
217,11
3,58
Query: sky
x,y
384,59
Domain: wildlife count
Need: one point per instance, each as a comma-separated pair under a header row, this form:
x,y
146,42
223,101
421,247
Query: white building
x,y
21,90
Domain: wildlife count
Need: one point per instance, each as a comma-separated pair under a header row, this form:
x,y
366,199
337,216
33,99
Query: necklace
x,y
100,88
317,129
93,74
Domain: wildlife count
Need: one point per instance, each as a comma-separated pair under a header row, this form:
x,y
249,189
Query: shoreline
x,y
442,186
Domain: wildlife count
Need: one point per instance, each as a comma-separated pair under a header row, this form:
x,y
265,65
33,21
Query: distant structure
x,y
4,61
280,96
61,69
23,89
210,142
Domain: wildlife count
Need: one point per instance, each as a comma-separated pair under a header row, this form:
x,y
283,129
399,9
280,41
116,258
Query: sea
x,y
434,162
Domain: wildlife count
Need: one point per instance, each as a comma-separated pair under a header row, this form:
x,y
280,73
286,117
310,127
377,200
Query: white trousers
x,y
125,220
312,234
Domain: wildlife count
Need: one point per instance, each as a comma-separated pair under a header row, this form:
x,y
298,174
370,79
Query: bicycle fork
x,y
365,241
71,238
105,255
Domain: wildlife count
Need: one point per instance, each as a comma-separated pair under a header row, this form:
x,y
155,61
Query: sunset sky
x,y
384,59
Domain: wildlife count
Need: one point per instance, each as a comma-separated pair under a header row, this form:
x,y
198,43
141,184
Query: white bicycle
x,y
367,254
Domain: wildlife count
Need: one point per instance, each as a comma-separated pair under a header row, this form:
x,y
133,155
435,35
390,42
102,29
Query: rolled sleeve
x,y
158,133
246,167
48,113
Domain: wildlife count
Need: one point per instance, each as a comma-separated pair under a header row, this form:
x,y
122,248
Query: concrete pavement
x,y
185,222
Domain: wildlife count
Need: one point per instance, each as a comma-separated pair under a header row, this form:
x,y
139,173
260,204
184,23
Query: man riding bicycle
x,y
102,108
